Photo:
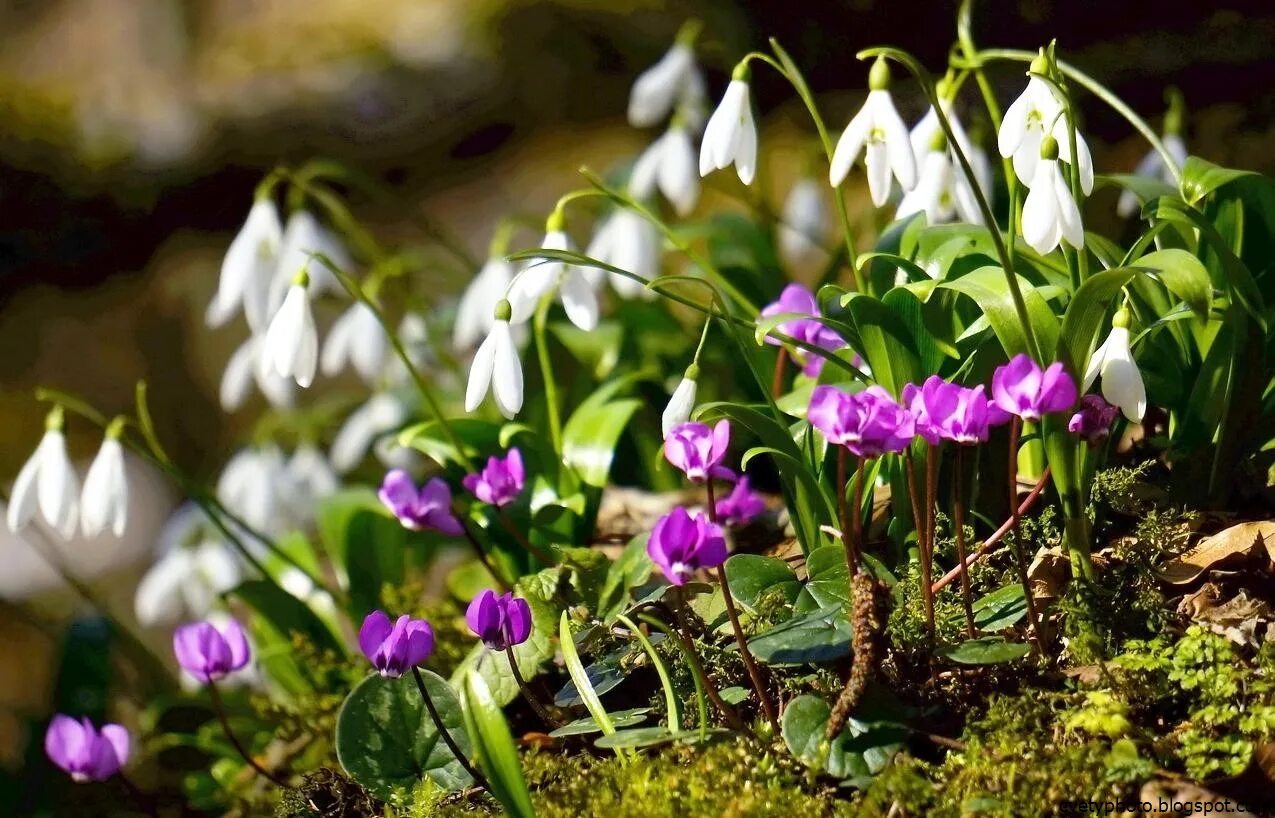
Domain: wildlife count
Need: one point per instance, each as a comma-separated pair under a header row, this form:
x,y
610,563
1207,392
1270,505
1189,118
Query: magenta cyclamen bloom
x,y
915,403
210,654
429,507
957,413
797,299
499,620
85,753
396,647
1093,421
741,505
698,450
501,480
868,423
1022,388
681,543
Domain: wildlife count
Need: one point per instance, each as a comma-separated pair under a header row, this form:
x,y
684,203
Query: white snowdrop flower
x,y
382,413
1152,166
248,366
803,226
1121,381
473,313
186,583
675,78
574,284
292,343
941,191
248,267
496,367
313,477
1038,113
304,236
256,486
668,164
104,501
1050,214
925,132
879,132
626,240
47,483
730,137
355,338
678,410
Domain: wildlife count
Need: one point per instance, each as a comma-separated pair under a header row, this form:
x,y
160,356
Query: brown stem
x,y
683,631
1015,424
482,555
521,538
991,541
527,693
781,366
849,540
932,454
927,565
856,510
443,733
967,596
135,792
754,675
220,710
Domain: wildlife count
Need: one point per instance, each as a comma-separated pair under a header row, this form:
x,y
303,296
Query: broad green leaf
x,y
372,545
986,650
591,433
1184,275
753,577
990,290
828,580
386,740
431,439
1146,188
1084,320
1001,608
886,342
497,753
632,568
861,750
597,350
587,726
821,636
1201,177
286,613
604,675
635,738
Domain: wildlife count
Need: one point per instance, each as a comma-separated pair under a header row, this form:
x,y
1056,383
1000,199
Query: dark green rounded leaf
x,y
815,637
859,751
988,650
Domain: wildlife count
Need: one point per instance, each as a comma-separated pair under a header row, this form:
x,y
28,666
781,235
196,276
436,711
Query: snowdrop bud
x,y
104,501
730,137
879,132
496,367
47,483
680,405
248,266
292,342
1122,384
246,366
1050,214
1038,113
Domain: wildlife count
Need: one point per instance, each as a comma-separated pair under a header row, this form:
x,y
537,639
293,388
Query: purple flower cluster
x,y
419,509
499,620
209,653
84,752
682,543
741,506
501,480
868,423
1093,420
699,450
395,647
798,300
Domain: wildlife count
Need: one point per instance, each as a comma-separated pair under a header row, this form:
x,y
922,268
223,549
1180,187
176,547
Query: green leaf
x,y
886,341
1084,319
860,751
1184,275
986,650
1146,188
1001,608
821,636
476,436
604,675
990,290
386,740
828,580
497,753
635,739
752,577
571,658
632,568
586,725
286,613
598,350
592,432
373,545
1201,177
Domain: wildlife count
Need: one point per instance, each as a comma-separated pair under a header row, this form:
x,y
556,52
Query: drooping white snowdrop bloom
x,y
248,267
247,366
928,129
1152,166
104,501
730,137
256,486
303,236
1050,214
878,131
382,413
804,226
941,191
1036,114
1121,381
47,484
682,401
496,367
473,313
413,334
313,477
194,569
575,285
668,164
355,338
626,240
674,79
291,346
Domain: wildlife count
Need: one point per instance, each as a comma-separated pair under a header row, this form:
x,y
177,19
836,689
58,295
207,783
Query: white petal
x,y
237,377
902,159
380,414
1094,368
1040,210
57,486
23,501
506,377
1068,214
337,345
480,370
721,132
922,135
250,257
1014,125
474,312
877,162
746,147
104,500
1122,386
677,178
679,407
579,300
849,145
158,599
217,566
1177,149
653,93
642,179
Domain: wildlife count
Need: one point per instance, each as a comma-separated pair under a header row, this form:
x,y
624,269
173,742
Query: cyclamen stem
x,y
958,520
444,734
1015,426
849,540
927,566
777,380
754,675
521,538
532,700
143,800
683,631
481,554
220,710
931,500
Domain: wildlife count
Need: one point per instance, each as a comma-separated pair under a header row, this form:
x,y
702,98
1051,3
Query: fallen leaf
x,y
1234,542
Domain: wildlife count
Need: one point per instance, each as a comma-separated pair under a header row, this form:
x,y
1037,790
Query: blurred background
x,y
132,134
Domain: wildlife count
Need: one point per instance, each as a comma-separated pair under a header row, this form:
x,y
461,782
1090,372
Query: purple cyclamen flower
x,y
741,505
500,481
500,620
210,654
1093,421
430,507
85,753
1021,388
957,413
698,450
868,423
681,543
914,400
797,299
396,647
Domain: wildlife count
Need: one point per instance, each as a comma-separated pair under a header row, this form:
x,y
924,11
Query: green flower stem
x,y
989,218
683,631
922,540
1092,86
958,522
527,693
521,538
546,372
701,699
445,734
220,709
356,292
671,703
750,664
1015,426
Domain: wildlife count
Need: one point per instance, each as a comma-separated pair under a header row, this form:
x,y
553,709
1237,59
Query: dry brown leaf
x,y
1237,540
